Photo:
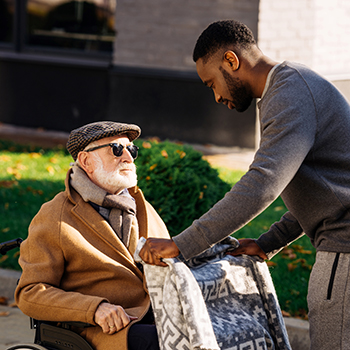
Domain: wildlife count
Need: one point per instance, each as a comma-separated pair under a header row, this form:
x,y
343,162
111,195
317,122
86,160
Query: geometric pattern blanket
x,y
215,301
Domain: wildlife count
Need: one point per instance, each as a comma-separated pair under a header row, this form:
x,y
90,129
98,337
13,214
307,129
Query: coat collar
x,y
88,215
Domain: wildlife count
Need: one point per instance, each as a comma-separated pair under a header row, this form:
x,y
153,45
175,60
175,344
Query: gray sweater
x,y
304,156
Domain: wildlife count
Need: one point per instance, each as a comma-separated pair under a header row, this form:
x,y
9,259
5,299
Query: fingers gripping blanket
x,y
215,301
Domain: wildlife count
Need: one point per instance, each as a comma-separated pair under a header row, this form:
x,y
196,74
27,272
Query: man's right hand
x,y
112,318
249,247
157,248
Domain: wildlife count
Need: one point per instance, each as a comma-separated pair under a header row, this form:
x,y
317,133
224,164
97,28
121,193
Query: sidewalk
x,y
15,327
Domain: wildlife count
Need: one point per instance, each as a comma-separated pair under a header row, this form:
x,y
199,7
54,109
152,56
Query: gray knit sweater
x,y
304,156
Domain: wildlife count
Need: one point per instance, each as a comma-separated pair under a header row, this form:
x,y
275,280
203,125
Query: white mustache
x,y
126,166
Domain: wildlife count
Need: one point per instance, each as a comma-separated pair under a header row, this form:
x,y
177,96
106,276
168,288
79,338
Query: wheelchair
x,y
49,335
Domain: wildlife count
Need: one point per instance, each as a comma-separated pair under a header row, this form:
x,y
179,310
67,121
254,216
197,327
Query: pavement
x,y
15,326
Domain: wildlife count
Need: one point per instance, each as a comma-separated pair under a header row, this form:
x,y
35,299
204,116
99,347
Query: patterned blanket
x,y
215,301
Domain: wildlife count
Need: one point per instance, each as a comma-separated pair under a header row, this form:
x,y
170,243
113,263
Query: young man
x,y
77,261
303,156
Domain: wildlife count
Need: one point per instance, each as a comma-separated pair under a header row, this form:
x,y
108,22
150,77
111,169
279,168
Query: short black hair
x,y
220,34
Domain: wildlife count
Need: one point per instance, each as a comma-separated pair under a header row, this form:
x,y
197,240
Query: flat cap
x,y
81,137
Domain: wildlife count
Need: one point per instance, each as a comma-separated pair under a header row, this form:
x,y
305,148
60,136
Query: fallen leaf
x,y
3,258
50,169
152,167
8,183
305,251
164,153
287,251
4,313
286,314
3,300
146,145
34,155
5,158
291,267
181,153
10,170
20,166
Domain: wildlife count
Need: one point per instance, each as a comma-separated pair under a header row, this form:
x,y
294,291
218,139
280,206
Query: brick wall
x,y
313,32
162,33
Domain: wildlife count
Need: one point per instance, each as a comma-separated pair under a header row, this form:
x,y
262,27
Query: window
x,y
81,25
69,26
6,20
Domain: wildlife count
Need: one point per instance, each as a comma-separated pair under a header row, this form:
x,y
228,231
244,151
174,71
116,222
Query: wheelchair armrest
x,y
34,324
59,336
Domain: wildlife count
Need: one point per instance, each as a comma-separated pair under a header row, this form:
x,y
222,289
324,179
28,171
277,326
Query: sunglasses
x,y
118,149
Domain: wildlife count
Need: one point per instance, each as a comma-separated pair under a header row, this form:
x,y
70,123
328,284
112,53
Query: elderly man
x,y
303,156
77,261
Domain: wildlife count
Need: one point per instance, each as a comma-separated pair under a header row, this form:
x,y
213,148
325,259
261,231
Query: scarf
x,y
120,209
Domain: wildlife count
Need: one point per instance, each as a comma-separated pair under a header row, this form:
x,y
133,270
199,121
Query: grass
x,y
31,176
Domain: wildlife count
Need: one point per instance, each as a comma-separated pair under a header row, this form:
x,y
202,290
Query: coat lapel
x,y
102,229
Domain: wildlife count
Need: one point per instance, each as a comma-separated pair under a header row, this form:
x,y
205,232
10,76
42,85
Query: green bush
x,y
179,184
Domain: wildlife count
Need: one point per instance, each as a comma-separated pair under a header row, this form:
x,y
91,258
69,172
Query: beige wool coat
x,y
72,261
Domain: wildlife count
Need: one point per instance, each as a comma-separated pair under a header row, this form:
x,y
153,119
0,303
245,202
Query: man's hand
x,y
157,248
112,318
249,247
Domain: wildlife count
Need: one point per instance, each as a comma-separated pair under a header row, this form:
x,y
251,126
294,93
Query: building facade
x,y
64,63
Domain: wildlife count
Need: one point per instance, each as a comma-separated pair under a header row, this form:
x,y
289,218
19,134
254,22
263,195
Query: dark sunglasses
x,y
118,149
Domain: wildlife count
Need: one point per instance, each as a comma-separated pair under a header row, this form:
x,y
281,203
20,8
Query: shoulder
x,y
150,223
49,217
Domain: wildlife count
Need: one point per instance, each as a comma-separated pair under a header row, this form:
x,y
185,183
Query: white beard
x,y
115,181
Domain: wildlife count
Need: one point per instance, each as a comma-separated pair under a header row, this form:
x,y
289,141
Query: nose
x,y
217,97
126,156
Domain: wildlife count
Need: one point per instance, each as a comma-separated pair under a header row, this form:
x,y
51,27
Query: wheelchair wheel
x,y
26,347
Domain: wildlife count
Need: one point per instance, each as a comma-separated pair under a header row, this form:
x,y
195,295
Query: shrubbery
x,y
179,184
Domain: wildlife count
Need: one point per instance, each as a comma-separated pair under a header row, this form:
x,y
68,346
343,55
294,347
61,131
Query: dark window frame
x,y
19,46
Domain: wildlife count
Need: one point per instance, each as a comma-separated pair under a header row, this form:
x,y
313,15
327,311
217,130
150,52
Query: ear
x,y
85,162
231,59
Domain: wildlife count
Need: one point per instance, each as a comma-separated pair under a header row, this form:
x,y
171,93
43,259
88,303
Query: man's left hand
x,y
249,247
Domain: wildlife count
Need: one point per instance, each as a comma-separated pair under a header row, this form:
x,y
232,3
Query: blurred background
x,y
64,63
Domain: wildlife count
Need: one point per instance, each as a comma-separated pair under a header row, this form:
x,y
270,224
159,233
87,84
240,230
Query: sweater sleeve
x,y
280,234
288,128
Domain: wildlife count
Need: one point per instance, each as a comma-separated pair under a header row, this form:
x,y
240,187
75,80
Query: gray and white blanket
x,y
215,301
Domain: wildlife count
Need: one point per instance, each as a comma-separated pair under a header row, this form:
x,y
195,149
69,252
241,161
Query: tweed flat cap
x,y
81,137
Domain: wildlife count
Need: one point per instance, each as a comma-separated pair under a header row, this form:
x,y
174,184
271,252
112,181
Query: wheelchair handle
x,y
9,245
